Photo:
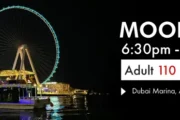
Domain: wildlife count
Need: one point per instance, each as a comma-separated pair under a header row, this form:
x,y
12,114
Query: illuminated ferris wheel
x,y
26,33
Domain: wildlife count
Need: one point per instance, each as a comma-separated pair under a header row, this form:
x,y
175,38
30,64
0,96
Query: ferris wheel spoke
x,y
43,55
50,56
5,39
16,30
43,71
43,68
2,43
46,65
22,28
8,30
47,60
18,22
3,49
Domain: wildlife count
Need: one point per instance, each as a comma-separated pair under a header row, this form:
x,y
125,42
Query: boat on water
x,y
20,96
26,103
23,95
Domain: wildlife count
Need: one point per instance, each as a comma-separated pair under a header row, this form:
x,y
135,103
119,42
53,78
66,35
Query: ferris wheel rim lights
x,y
49,27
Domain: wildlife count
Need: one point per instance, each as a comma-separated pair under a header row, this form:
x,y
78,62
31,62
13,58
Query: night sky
x,y
88,36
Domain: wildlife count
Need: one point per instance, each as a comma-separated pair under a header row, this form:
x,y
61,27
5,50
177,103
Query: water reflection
x,y
64,108
55,116
43,116
68,103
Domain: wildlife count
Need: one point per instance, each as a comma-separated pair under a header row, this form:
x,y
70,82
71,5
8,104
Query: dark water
x,y
66,108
